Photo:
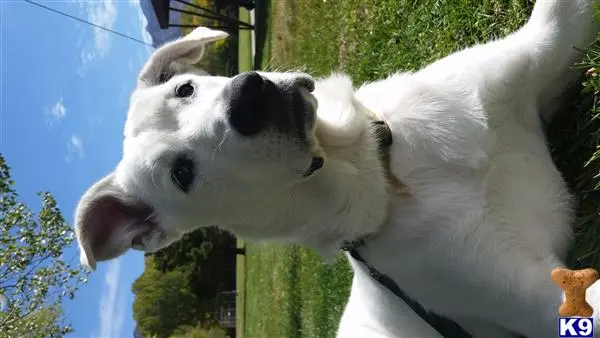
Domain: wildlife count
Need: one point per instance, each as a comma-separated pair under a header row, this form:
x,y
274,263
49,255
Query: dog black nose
x,y
250,99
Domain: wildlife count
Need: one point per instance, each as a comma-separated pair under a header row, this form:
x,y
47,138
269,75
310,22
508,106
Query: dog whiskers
x,y
153,172
218,147
282,68
269,64
150,217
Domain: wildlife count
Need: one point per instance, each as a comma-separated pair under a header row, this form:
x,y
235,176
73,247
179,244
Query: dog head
x,y
198,150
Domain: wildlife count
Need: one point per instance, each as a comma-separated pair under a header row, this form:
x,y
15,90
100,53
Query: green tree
x,y
40,323
163,301
34,278
210,252
181,283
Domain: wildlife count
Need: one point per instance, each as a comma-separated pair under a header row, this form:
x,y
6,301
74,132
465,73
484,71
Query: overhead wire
x,y
88,22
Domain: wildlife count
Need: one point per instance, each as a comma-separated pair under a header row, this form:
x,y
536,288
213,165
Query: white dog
x,y
483,220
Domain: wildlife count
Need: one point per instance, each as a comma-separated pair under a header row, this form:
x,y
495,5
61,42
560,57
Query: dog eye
x,y
184,90
182,173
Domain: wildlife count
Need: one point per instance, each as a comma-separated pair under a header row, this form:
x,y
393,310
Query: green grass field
x,y
288,291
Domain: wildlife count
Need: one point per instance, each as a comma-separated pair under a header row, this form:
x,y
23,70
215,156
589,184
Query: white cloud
x,y
74,148
112,303
102,13
141,23
86,56
56,113
59,111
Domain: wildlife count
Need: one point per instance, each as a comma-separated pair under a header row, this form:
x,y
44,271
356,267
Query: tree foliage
x,y
34,277
209,253
180,285
163,301
43,322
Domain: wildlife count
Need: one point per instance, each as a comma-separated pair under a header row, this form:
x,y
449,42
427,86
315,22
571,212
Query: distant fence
x,y
226,310
163,8
170,19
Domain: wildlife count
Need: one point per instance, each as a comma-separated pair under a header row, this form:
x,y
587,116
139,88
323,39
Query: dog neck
x,y
348,197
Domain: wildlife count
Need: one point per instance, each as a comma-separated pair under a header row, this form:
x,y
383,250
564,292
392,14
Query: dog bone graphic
x,y
574,283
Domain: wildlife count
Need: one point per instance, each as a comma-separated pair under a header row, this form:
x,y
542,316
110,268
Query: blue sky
x,y
63,100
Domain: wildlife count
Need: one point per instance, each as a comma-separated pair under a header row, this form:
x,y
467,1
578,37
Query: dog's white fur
x,y
486,215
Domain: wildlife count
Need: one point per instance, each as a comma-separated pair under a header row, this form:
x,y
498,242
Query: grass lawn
x,y
289,292
245,62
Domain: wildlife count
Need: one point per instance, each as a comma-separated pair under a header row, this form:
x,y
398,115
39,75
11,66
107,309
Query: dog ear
x,y
185,51
107,222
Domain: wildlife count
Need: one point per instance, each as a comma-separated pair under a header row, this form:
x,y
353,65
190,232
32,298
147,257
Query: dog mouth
x,y
146,234
317,163
143,235
142,230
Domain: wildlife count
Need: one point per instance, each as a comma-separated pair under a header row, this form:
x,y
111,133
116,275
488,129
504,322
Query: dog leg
x,y
548,47
541,54
558,32
537,59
